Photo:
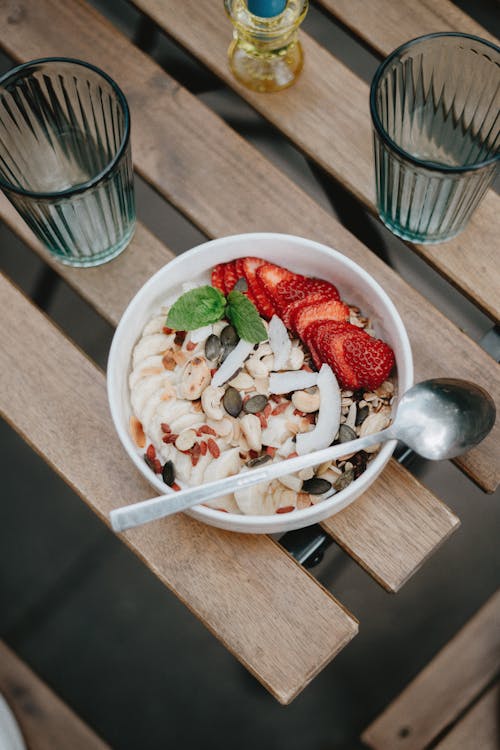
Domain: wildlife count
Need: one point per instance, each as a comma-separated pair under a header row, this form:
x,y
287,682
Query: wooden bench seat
x,y
326,114
458,689
183,149
46,723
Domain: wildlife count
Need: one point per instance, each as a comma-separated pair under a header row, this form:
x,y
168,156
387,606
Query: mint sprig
x,y
244,316
196,308
206,304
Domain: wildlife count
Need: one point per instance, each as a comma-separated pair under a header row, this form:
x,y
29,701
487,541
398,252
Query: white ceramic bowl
x,y
355,285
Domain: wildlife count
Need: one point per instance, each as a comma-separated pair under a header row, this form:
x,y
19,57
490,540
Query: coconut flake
x,y
200,334
232,362
328,421
292,380
279,341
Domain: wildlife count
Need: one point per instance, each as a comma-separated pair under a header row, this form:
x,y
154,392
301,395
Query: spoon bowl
x,y
444,417
438,419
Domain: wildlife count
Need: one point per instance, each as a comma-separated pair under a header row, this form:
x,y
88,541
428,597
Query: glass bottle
x,y
265,54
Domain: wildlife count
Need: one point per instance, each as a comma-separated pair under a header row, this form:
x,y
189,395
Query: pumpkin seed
x,y
213,347
255,404
259,460
168,473
232,402
344,480
241,285
228,336
346,433
362,415
316,486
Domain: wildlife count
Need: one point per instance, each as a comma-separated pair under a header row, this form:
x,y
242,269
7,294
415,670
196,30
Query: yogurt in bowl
x,y
197,406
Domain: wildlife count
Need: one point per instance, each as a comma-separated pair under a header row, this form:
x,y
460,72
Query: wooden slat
x,y
267,610
411,525
223,184
326,114
480,727
46,722
385,25
452,680
390,545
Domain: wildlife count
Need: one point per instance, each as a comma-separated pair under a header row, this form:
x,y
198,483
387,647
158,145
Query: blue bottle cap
x,y
266,8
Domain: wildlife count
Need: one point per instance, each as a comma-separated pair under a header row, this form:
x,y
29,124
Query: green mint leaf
x,y
196,308
245,318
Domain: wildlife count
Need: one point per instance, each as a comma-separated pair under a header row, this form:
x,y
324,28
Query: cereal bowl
x,y
302,256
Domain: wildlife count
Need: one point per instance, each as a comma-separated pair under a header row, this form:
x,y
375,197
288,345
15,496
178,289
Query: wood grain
x,y
479,729
390,546
326,114
385,25
46,722
437,696
183,149
267,610
392,534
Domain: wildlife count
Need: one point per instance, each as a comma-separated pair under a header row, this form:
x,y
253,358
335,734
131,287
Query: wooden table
x,y
278,621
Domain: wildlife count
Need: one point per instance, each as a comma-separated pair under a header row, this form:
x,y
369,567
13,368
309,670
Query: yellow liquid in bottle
x,y
265,54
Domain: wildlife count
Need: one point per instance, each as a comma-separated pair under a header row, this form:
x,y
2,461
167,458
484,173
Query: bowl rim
x,y
257,523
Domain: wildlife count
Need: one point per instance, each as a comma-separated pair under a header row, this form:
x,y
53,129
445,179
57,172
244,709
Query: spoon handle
x,y
165,505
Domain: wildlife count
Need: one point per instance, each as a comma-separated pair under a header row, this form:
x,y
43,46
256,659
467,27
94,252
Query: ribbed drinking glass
x,y
65,160
435,107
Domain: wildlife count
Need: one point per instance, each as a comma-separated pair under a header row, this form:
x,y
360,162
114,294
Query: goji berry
x,y
213,448
203,448
205,430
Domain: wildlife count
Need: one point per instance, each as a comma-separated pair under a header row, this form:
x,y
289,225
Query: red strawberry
x,y
230,275
293,308
327,310
308,338
328,339
357,359
291,290
371,358
270,276
257,293
218,277
241,275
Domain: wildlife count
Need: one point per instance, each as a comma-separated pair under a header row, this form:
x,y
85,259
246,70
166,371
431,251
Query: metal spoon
x,y
439,418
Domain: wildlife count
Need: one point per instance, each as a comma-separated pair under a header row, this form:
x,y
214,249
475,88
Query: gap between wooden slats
x,y
326,114
222,184
390,543
266,609
437,696
45,721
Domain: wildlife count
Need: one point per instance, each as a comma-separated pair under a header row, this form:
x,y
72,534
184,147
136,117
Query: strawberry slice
x,y
293,309
300,287
328,340
371,359
357,359
270,276
218,277
326,310
230,275
309,338
248,267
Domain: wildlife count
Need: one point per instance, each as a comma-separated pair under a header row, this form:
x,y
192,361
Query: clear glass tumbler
x,y
435,107
65,159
